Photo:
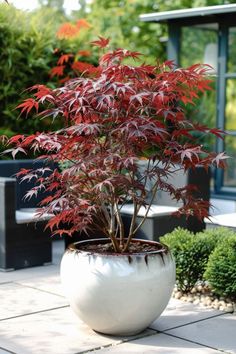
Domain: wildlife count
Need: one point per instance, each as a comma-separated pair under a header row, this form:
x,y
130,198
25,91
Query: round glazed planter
x,y
118,294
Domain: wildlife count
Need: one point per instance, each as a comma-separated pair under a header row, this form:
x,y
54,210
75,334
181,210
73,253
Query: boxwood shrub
x,y
183,246
221,268
192,251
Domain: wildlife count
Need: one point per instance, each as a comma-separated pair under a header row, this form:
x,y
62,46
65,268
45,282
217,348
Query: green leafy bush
x,y
191,252
215,235
221,268
29,50
181,243
26,58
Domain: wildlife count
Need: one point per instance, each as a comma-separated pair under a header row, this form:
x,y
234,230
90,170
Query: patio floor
x,y
35,318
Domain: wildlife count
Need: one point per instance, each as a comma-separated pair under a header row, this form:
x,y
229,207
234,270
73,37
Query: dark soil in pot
x,y
104,246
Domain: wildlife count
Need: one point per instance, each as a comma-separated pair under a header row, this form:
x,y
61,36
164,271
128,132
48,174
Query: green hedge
x,y
221,268
28,42
26,57
192,252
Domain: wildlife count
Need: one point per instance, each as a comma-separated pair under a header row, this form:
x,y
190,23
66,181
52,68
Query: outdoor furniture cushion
x,y
160,220
227,220
28,215
155,210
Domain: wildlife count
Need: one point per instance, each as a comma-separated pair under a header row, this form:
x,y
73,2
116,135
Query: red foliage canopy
x,y
114,115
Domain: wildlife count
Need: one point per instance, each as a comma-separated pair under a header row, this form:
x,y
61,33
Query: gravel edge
x,y
202,295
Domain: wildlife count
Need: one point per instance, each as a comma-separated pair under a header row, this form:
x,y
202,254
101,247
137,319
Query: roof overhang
x,y
190,13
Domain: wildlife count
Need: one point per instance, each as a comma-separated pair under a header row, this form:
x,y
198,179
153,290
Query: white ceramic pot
x,y
117,294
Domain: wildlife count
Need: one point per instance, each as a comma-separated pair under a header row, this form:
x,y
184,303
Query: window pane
x,y
199,45
232,50
230,107
230,172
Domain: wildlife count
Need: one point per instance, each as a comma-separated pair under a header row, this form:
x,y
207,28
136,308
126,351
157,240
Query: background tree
x,y
120,21
29,50
55,4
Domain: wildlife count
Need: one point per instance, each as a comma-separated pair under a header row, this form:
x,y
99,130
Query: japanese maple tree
x,y
114,114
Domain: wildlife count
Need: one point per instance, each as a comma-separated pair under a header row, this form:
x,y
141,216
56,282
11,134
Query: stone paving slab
x,y
158,343
17,300
27,273
51,283
56,332
218,332
179,313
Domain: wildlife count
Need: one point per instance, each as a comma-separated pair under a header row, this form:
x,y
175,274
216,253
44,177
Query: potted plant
x,y
115,114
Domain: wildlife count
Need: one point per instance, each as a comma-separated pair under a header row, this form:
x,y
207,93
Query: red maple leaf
x,y
28,140
42,91
64,58
217,132
16,139
27,105
101,42
53,185
54,222
82,67
46,200
22,172
220,158
57,70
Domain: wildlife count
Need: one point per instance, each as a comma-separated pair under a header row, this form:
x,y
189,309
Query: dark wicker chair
x,y
23,243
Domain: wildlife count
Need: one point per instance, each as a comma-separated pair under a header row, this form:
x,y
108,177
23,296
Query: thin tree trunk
x,y
120,225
